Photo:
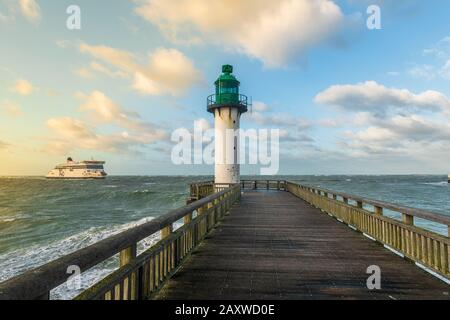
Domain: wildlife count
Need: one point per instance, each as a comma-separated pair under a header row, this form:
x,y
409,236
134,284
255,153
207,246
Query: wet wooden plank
x,y
276,246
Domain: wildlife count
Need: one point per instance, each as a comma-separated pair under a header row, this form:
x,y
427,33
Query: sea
x,y
41,220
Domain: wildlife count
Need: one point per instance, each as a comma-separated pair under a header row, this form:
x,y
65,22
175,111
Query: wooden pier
x,y
276,246
263,240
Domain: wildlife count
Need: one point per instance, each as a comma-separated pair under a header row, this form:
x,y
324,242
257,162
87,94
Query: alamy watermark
x,y
253,147
373,21
73,22
374,281
374,17
74,281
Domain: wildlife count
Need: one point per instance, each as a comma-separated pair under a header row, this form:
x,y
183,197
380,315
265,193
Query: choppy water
x,y
41,220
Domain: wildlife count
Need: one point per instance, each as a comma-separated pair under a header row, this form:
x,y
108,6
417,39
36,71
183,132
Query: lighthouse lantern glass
x,y
227,87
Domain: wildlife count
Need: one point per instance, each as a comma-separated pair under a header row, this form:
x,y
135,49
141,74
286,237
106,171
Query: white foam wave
x,y
22,259
441,183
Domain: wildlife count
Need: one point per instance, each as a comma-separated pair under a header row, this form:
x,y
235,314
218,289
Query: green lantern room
x,y
227,92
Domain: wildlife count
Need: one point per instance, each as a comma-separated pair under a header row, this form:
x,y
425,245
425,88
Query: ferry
x,y
78,170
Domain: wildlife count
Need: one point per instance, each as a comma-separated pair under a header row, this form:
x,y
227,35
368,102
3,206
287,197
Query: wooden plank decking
x,y
274,245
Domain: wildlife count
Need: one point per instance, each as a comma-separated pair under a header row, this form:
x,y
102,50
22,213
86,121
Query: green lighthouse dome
x,y
227,92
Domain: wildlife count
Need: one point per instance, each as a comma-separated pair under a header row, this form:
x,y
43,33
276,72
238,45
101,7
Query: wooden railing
x,y
138,276
406,237
200,190
264,184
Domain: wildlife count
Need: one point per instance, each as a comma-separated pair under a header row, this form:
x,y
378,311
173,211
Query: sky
x,y
347,99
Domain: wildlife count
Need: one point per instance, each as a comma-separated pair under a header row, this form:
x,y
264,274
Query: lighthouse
x,y
227,105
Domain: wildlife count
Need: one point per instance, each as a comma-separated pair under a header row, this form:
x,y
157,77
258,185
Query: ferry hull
x,y
85,170
76,178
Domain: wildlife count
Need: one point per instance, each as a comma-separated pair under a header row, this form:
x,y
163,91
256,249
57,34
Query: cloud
x,y
95,66
98,109
398,135
167,72
440,50
378,99
293,130
439,66
23,87
12,109
388,124
102,110
430,72
275,32
3,145
203,124
261,115
84,73
74,134
259,107
30,10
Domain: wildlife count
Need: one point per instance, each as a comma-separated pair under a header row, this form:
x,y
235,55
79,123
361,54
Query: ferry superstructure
x,y
90,169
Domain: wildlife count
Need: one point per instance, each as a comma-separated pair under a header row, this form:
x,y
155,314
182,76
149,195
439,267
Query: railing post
x,y
187,218
128,254
165,232
407,219
334,197
359,204
345,200
378,211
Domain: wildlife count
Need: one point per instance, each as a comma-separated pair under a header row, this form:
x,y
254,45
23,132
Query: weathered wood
x,y
276,246
419,213
40,281
401,234
127,255
165,232
378,210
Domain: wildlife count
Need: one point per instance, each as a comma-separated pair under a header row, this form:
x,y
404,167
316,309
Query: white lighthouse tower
x,y
227,105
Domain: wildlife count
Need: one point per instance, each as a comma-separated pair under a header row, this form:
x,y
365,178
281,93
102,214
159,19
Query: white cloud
x,y
12,109
430,72
399,135
275,32
378,99
440,50
74,134
30,9
259,107
84,73
203,124
3,145
437,69
261,116
445,71
100,110
23,87
292,129
168,71
95,66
